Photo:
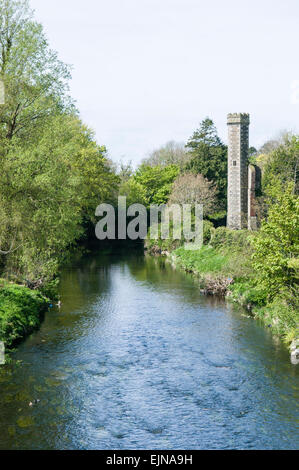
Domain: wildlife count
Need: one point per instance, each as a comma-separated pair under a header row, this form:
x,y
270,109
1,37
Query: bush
x,y
225,238
282,315
277,244
247,293
171,244
21,311
206,260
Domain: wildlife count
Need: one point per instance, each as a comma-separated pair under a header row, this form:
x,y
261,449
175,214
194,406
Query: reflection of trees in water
x,y
91,281
90,276
83,283
158,272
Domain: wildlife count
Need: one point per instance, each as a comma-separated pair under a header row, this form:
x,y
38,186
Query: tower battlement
x,y
238,118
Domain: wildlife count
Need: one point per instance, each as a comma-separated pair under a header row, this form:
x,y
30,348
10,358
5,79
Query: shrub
x,y
21,311
277,244
225,238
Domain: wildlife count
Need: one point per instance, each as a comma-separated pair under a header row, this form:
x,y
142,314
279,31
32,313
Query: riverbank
x,y
21,312
224,267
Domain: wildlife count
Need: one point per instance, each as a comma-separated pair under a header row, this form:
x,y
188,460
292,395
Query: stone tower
x,y
2,93
237,195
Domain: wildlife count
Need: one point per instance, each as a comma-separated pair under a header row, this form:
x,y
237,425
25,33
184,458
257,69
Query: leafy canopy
x,y
276,255
35,79
209,157
283,164
151,185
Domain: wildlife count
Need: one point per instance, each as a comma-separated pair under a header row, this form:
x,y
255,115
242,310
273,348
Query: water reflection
x,y
138,358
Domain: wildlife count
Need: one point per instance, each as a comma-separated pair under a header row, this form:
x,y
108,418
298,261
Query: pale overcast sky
x,y
148,71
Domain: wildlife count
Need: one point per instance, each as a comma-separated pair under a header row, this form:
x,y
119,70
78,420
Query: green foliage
x,y
50,289
47,191
35,79
206,260
134,191
282,314
171,244
156,182
283,164
124,171
225,245
21,311
224,238
269,284
209,157
277,244
53,174
246,292
208,231
206,134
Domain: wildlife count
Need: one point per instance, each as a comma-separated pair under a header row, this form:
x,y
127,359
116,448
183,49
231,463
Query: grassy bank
x,y
21,312
224,267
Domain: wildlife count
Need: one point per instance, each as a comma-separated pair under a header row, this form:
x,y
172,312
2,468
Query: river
x,y
137,358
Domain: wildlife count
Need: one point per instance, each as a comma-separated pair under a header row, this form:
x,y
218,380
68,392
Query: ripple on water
x,y
138,359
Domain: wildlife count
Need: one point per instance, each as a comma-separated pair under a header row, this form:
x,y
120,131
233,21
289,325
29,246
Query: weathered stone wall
x,y
238,135
252,216
2,92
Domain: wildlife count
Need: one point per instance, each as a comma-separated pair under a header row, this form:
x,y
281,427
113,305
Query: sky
x,y
148,71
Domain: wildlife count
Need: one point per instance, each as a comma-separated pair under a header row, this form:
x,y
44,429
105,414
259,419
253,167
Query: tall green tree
x,y
283,164
35,79
276,256
53,173
150,184
47,192
209,157
157,182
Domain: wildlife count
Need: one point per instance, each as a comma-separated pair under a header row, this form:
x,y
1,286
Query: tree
x,y
172,153
47,191
277,244
208,156
283,164
134,191
124,171
157,182
53,173
35,79
272,144
194,189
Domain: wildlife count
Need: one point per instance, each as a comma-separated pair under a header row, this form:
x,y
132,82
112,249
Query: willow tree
x,y
35,79
53,174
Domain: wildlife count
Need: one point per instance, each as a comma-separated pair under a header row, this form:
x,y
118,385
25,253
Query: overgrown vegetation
x,y
53,173
21,311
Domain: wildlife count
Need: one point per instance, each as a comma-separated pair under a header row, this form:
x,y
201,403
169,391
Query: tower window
x,y
234,162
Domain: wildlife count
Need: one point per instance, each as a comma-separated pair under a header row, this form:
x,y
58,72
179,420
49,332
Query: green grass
x,y
21,312
206,260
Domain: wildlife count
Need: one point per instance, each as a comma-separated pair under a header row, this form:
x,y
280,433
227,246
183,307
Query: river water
x,y
137,358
